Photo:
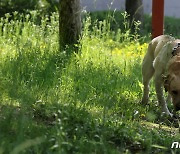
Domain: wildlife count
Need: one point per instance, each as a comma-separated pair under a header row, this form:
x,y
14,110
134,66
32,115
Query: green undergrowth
x,y
171,24
88,102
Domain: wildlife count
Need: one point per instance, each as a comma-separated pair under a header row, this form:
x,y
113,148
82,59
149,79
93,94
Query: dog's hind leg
x,y
147,73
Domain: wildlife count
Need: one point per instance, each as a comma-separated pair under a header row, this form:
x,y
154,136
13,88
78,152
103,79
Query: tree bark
x,y
134,8
69,23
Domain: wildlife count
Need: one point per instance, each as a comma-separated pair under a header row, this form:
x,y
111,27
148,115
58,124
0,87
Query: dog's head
x,y
172,85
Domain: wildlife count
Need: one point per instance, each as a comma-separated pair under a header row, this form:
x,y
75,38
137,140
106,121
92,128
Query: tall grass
x,y
86,104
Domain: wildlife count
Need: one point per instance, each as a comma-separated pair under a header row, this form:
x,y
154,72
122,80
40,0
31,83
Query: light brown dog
x,y
163,61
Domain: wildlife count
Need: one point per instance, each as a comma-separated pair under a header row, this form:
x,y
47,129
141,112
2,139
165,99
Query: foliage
x,y
9,6
171,26
85,103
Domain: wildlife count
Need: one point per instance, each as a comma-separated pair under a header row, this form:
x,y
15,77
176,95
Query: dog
x,y
162,61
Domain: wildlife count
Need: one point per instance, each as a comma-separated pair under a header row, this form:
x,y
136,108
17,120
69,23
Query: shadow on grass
x,y
66,132
69,128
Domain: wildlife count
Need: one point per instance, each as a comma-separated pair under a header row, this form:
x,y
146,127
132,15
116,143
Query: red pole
x,y
157,17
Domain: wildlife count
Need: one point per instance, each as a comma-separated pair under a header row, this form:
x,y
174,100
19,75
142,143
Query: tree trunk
x,y
134,8
69,23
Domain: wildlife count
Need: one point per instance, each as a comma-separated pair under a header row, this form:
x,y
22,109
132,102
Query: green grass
x,y
85,103
171,26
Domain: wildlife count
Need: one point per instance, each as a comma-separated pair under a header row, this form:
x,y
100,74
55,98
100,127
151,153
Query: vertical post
x,y
157,17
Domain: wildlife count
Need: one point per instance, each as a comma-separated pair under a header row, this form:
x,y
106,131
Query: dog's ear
x,y
166,82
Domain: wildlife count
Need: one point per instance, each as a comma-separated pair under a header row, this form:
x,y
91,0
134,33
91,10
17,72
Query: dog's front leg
x,y
159,91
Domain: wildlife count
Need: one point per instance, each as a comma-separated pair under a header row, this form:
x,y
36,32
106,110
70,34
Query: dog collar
x,y
175,48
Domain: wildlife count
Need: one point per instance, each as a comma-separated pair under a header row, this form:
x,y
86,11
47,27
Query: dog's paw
x,y
167,115
169,119
166,112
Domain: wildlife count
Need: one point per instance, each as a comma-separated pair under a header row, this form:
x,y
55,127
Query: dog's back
x,y
158,43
